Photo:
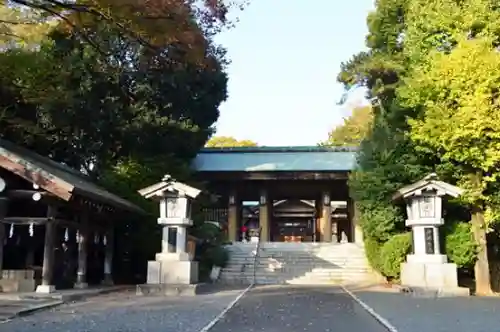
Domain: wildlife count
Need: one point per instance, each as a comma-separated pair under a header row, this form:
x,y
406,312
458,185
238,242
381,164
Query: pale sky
x,y
285,57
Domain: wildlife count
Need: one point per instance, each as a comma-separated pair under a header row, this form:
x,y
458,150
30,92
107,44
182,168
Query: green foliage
x,y
103,100
461,121
372,250
431,68
210,250
393,253
208,232
227,142
22,28
353,130
217,256
460,246
379,222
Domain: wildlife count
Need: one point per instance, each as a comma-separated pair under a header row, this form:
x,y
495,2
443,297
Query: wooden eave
x,y
57,179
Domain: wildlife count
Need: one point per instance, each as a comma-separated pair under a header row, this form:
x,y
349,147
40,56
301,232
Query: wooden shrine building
x,y
56,226
301,193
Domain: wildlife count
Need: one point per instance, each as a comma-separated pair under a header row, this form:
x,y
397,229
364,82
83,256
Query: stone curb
x,y
371,311
37,307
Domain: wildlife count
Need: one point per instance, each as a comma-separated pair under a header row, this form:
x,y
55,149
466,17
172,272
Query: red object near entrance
x,y
244,229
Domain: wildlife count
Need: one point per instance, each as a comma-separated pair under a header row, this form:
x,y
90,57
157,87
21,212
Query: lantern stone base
x,y
172,272
168,257
171,290
46,289
435,278
427,259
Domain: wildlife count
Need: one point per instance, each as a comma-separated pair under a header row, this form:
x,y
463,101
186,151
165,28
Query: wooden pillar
x,y
48,252
233,217
317,221
326,218
108,257
264,216
81,274
356,230
3,212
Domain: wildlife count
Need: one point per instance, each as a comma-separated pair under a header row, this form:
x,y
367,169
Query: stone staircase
x,y
296,263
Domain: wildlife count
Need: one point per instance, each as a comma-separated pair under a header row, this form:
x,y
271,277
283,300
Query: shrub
x,y
379,222
209,250
207,232
460,246
393,253
218,256
372,251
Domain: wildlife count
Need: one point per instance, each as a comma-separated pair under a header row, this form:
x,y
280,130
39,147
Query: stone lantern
x,y
427,268
173,265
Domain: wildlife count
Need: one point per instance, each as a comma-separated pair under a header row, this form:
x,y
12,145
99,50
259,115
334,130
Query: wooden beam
x,y
27,193
33,174
29,220
43,220
291,215
273,176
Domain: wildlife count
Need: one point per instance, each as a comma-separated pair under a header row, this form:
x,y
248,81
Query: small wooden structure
x,y
46,210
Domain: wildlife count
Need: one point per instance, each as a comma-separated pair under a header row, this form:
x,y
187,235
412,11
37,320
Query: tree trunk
x,y
482,268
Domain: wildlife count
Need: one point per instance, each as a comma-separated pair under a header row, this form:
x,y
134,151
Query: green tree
x,y
121,111
91,115
387,159
21,28
461,124
152,24
227,141
354,129
415,70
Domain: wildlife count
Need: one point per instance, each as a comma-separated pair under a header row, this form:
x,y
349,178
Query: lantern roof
x,y
168,185
429,183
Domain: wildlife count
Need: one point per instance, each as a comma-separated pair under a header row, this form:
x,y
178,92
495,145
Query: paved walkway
x,y
417,314
17,304
126,312
13,308
270,309
290,309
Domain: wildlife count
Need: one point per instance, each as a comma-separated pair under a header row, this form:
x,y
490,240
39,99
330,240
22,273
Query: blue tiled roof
x,y
255,159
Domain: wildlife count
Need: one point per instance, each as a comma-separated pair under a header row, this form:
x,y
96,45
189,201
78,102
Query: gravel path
x,y
126,312
417,314
290,309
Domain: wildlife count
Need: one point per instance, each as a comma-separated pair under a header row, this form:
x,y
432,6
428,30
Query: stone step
x,y
264,279
279,265
309,252
303,262
288,276
291,277
264,255
301,255
295,270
